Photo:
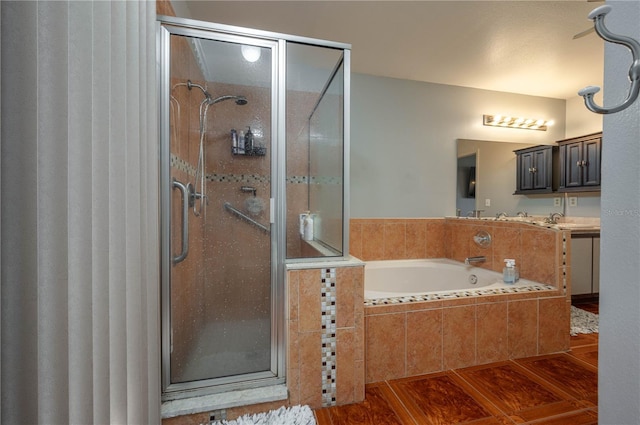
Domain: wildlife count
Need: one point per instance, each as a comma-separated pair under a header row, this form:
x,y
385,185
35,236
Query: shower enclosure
x,y
253,134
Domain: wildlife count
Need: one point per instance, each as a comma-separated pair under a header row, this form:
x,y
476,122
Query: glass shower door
x,y
218,292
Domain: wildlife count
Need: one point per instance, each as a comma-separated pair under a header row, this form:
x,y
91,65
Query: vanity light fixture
x,y
516,122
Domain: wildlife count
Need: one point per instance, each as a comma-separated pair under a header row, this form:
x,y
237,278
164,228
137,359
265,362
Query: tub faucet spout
x,y
478,259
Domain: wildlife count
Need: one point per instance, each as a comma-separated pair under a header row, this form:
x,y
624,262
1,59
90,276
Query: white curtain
x,y
79,213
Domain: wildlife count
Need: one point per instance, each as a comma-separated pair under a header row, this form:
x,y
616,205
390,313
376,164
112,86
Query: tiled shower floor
x,y
246,349
552,389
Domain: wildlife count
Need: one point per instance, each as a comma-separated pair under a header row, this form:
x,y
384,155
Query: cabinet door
x,y
573,165
525,170
581,265
541,165
591,167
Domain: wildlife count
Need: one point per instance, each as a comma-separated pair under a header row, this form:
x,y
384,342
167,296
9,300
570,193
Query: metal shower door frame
x,y
166,27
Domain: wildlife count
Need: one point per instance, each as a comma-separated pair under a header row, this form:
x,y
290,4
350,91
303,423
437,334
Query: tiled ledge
x,y
305,264
461,294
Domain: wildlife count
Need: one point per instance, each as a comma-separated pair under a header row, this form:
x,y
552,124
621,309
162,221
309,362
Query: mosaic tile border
x,y
328,336
458,294
184,166
237,178
564,263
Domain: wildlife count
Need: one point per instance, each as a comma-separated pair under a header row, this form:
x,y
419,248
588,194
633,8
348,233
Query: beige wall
x,y
580,120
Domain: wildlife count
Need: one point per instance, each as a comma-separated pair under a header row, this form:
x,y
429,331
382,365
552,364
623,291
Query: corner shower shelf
x,y
257,151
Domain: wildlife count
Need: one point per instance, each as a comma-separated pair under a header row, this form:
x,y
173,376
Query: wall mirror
x,y
486,177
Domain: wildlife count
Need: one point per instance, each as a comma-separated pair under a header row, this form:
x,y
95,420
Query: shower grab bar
x,y
237,212
185,191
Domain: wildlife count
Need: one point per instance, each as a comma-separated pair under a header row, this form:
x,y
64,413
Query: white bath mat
x,y
296,415
583,322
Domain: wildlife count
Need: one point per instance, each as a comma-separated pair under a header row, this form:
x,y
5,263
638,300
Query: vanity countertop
x,y
580,225
577,225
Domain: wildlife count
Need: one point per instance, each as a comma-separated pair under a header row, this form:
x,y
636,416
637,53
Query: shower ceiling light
x,y
516,122
250,53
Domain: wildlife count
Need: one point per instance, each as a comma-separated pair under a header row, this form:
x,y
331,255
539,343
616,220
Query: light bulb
x,y
250,53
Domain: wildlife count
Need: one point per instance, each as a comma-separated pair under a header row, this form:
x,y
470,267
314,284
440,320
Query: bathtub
x,y
426,316
428,279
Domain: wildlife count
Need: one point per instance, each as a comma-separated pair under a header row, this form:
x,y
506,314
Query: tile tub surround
x,y
407,339
411,339
325,335
540,252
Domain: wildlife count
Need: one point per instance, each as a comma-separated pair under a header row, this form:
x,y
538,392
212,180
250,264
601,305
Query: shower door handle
x,y
184,189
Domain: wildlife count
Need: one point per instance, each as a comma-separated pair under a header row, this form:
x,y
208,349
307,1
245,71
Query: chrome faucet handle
x,y
553,217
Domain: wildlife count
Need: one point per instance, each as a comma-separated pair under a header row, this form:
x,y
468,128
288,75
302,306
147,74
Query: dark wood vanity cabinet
x,y
536,169
580,163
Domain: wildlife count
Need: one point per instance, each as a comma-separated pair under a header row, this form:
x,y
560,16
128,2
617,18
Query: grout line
x,y
545,381
546,419
406,410
406,334
583,362
478,394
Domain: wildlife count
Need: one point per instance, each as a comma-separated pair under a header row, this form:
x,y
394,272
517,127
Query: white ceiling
x,y
522,47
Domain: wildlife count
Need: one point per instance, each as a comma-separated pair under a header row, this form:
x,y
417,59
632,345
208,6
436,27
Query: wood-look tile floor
x,y
558,389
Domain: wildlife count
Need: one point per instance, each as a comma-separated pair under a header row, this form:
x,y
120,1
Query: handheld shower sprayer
x,y
240,100
200,169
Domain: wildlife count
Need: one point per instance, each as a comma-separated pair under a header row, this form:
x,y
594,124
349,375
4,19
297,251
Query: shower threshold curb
x,y
226,400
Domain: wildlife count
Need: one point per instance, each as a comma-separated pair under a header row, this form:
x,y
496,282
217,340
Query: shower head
x,y
240,100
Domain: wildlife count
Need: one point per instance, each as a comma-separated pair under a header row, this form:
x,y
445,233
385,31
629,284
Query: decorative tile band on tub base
x,y
408,337
458,294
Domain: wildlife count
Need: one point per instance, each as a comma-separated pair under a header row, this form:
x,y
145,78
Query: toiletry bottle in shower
x,y
241,143
303,217
509,271
234,141
308,228
248,142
